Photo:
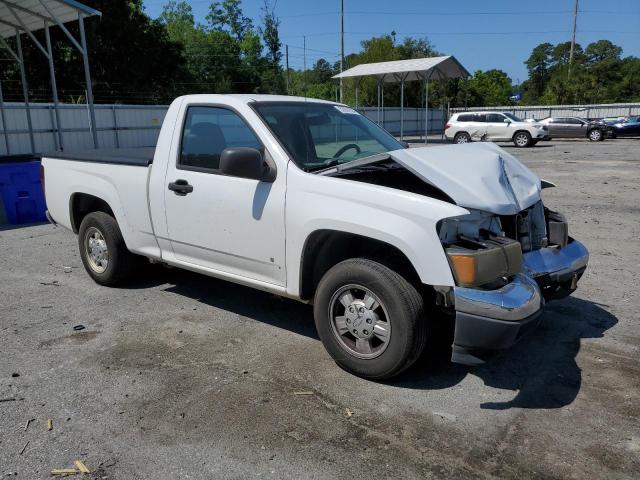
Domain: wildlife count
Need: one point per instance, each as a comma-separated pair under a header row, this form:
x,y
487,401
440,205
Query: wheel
x,y
522,139
102,249
462,137
370,319
595,135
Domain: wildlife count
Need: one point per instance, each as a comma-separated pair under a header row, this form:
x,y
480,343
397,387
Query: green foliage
x,y
598,74
136,59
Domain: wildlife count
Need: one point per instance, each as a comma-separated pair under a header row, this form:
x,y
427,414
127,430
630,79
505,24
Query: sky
x,y
480,34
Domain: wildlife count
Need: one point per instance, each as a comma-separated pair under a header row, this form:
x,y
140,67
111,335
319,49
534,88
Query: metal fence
x,y
138,125
543,111
116,125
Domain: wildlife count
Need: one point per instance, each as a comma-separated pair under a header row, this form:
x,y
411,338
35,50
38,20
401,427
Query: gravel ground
x,y
182,376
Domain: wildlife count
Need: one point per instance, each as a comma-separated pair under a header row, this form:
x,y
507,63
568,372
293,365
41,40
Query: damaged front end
x,y
506,267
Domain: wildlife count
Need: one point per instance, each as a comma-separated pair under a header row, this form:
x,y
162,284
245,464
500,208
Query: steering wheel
x,y
345,148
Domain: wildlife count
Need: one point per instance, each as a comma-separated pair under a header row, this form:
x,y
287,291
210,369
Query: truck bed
x,y
139,157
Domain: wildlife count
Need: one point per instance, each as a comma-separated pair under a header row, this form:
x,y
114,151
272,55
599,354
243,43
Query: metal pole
x,y
378,105
286,56
87,78
426,110
25,91
341,47
54,87
357,85
115,126
402,109
52,121
573,38
382,98
4,121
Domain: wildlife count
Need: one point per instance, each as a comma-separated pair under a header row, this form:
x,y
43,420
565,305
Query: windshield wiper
x,y
357,163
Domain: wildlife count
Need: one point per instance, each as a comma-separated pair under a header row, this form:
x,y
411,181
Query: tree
x,y
227,16
490,88
601,51
538,65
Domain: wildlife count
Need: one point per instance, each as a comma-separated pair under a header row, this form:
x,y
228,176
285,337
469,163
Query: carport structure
x,y
29,16
401,71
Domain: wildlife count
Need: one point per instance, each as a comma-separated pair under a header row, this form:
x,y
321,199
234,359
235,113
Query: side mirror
x,y
245,162
506,120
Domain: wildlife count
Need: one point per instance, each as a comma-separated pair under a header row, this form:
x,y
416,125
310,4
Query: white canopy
x,y
30,15
414,69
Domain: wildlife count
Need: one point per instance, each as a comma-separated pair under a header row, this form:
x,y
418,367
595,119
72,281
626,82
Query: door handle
x,y
181,187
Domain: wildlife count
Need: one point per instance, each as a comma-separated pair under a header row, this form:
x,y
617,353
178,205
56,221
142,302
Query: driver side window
x,y
207,132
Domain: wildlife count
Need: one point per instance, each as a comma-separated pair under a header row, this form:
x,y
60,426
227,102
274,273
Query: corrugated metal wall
x,y
139,125
117,125
543,111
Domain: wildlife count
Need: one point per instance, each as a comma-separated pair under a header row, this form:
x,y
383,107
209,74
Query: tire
x,y
522,139
462,137
595,135
397,314
103,251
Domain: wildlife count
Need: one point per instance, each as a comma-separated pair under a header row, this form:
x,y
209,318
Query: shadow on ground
x,y
541,369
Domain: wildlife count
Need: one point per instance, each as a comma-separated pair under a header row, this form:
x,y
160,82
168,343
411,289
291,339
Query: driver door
x,y
221,222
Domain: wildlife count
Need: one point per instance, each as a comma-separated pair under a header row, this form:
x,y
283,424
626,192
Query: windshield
x,y
512,117
321,135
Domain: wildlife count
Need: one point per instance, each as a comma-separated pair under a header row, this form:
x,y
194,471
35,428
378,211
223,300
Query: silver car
x,y
575,127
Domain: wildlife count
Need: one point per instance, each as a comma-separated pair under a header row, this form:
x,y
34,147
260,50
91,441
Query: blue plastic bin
x,y
22,192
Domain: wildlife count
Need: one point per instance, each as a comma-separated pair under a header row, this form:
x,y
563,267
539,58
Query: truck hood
x,y
480,176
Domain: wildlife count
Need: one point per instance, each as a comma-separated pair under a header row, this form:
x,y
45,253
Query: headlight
x,y
478,263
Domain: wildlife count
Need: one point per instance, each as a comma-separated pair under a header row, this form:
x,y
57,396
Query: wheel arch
x,y
325,248
81,204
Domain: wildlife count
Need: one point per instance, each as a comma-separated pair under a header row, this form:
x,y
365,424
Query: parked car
x,y
575,127
628,128
311,200
493,126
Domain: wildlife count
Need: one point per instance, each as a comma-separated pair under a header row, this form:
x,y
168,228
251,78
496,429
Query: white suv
x,y
468,127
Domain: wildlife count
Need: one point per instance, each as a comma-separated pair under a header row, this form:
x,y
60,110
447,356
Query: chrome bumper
x,y
556,264
495,319
517,300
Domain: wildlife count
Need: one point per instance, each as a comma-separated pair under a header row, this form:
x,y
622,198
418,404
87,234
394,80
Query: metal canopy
x,y
32,13
401,71
28,16
413,69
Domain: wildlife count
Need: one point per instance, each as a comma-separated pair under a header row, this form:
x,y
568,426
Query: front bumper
x,y
497,319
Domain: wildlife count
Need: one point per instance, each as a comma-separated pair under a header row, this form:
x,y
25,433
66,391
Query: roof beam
x,y
80,7
8,47
62,27
26,30
11,5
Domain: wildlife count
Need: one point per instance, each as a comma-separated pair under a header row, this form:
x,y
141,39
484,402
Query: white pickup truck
x,y
310,200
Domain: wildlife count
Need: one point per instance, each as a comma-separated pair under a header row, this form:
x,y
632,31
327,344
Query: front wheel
x,y
522,139
370,319
596,135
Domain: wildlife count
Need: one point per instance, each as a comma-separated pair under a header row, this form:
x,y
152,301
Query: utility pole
x,y
304,65
286,62
341,47
573,38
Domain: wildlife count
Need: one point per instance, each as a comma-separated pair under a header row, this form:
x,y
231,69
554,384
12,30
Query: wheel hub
x,y
96,248
360,319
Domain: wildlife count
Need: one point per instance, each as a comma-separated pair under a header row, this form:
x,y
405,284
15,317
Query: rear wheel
x,y
370,319
103,251
462,137
596,135
522,139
